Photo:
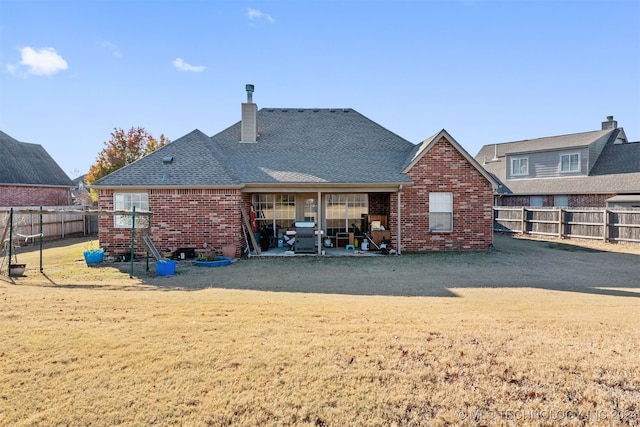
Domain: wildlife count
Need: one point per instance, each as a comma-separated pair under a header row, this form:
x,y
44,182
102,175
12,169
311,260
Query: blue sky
x,y
486,71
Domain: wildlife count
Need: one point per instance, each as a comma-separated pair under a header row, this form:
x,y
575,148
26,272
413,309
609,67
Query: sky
x,y
72,71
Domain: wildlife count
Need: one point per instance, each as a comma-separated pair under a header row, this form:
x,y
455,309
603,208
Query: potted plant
x,y
93,256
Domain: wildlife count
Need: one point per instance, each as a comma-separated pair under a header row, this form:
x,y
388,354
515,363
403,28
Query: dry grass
x,y
89,346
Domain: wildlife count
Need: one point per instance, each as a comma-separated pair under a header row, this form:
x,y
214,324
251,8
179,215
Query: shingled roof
x,y
573,140
294,146
617,169
191,160
28,164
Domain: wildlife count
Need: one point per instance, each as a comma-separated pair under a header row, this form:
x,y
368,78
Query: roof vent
x,y
167,159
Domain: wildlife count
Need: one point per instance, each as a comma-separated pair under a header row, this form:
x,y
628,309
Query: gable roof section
x,y
294,146
29,164
191,160
617,169
423,148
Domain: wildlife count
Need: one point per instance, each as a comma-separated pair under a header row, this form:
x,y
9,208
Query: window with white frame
x,y
343,210
277,211
570,162
520,166
311,210
440,212
126,202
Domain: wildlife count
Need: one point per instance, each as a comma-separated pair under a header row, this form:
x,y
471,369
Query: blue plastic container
x,y
166,267
93,257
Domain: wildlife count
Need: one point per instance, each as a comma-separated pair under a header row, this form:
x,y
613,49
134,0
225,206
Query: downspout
x,y
398,223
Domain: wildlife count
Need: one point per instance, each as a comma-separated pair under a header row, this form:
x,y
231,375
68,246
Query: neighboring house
x,y
80,192
331,167
589,169
30,177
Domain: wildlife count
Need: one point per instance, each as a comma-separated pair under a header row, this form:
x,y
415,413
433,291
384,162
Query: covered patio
x,y
326,252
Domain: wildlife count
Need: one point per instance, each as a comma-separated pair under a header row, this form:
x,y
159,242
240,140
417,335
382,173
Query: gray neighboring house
x,y
589,169
30,177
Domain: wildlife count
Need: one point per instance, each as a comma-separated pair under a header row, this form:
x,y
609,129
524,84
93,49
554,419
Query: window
x,y
535,201
561,201
275,211
520,166
570,162
343,210
440,212
311,210
126,202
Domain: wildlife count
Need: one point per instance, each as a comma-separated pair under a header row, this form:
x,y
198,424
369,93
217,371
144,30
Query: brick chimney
x,y
249,124
610,123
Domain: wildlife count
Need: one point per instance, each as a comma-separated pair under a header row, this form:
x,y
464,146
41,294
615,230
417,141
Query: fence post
x,y
133,240
605,225
10,225
560,222
524,221
41,239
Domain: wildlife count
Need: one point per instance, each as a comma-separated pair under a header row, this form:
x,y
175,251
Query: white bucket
x,y
365,245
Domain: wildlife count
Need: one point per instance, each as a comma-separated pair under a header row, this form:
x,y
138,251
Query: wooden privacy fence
x,y
610,225
58,222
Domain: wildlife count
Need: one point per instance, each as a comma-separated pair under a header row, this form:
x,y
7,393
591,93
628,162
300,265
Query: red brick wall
x,y
512,201
22,195
379,203
182,218
444,169
589,200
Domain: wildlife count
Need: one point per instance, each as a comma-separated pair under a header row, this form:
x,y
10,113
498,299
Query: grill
x,y
305,237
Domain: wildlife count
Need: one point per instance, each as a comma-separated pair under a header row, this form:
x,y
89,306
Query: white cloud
x,y
183,66
257,14
41,62
111,48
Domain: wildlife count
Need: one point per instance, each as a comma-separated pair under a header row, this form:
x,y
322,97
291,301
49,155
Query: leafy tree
x,y
123,149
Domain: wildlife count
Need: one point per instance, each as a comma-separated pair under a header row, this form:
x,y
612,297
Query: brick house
x,y
588,169
30,177
333,168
